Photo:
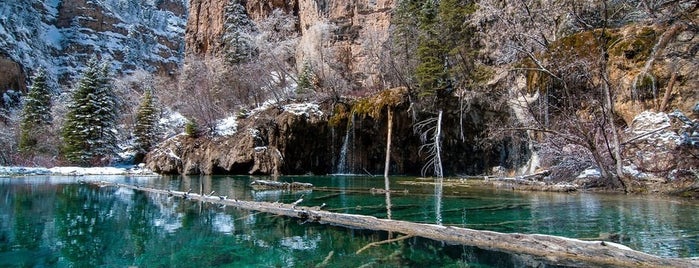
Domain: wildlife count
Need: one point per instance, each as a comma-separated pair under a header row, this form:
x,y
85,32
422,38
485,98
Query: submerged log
x,y
276,185
549,249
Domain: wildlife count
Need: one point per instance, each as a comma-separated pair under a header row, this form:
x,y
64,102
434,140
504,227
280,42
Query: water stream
x,y
345,165
58,221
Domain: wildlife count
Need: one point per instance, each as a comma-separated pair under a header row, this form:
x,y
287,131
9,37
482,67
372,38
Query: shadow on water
x,y
59,222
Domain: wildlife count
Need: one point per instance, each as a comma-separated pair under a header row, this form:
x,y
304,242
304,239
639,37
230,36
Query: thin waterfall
x,y
344,165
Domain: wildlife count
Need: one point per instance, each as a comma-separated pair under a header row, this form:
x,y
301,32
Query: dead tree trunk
x,y
549,249
388,147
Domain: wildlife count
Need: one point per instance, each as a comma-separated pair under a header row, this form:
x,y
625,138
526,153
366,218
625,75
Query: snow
x,y
305,109
29,32
590,173
171,123
654,128
227,126
73,171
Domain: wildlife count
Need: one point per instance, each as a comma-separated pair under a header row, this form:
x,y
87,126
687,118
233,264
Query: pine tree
x,y
89,132
36,116
237,40
306,78
145,130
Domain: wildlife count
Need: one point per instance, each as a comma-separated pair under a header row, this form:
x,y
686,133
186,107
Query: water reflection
x,y
58,222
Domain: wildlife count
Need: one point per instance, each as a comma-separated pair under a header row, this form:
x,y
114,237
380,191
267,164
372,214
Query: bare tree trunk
x,y
388,148
438,148
609,110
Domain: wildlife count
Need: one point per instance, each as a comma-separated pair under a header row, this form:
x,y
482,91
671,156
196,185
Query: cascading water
x,y
344,165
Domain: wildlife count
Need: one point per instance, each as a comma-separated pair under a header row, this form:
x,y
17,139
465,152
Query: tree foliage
x,y
145,130
36,115
238,34
89,131
434,41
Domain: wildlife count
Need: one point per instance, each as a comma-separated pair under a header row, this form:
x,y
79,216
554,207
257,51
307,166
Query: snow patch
x,y
227,126
590,173
305,109
74,171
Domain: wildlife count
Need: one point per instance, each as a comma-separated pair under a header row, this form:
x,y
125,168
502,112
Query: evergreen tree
x,y
89,132
36,116
237,39
191,128
306,78
145,130
431,72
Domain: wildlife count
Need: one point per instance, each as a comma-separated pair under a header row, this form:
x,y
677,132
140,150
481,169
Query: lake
x,y
53,221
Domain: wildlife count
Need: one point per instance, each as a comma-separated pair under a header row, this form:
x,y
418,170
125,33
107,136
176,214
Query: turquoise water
x,y
61,222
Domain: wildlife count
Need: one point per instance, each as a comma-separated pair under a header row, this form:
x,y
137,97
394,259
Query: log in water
x,y
549,249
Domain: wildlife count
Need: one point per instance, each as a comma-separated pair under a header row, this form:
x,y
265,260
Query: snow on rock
x,y
62,35
171,124
590,173
652,142
227,126
305,109
651,125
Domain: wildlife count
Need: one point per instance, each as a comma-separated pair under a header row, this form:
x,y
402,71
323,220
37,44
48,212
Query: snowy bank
x,y
74,171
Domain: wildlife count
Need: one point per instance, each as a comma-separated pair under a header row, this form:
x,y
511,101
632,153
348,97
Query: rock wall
x,y
11,76
61,35
342,37
205,27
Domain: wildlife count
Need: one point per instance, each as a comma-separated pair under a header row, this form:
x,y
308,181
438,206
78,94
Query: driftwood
x,y
545,248
276,185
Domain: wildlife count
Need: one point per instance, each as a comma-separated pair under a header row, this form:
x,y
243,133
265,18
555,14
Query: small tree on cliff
x,y
237,39
145,130
89,131
36,115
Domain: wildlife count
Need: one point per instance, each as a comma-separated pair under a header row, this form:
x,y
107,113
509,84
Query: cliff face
x,y
358,30
342,37
205,27
62,35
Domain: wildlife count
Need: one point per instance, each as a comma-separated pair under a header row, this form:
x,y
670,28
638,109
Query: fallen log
x,y
276,185
548,249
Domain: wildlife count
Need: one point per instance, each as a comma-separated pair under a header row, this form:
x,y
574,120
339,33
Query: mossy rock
x,y
637,46
373,105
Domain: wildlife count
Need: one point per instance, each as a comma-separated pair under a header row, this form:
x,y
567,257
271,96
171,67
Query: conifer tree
x,y
237,40
145,130
89,132
306,78
36,115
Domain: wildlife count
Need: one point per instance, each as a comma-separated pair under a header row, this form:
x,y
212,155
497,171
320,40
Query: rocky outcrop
x,y
303,138
659,144
351,34
287,139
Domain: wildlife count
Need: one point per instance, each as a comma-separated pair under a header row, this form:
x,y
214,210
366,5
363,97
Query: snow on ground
x,y
73,171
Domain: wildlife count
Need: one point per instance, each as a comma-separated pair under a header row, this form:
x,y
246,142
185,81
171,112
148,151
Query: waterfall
x,y
344,166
